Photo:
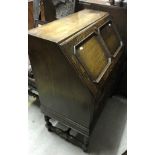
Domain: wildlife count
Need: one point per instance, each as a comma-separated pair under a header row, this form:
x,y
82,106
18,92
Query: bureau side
x,y
62,94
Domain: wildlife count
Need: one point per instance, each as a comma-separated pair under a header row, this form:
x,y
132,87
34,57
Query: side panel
x,y
60,89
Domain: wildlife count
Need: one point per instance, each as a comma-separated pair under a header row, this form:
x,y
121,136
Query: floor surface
x,y
108,138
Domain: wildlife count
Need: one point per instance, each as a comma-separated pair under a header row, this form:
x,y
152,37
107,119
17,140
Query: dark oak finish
x,y
75,64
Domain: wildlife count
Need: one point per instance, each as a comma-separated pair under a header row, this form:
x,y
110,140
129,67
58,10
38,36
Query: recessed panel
x,y
110,37
92,56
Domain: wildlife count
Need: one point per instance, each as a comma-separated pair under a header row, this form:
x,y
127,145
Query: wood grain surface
x,y
59,30
92,57
111,39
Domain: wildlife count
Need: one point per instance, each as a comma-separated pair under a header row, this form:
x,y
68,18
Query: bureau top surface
x,y
63,28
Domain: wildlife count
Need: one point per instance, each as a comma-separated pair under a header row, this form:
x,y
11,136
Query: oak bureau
x,y
75,61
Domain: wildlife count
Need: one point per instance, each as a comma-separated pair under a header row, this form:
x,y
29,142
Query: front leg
x,y
48,123
85,144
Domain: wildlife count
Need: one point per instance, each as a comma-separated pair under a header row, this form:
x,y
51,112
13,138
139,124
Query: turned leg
x,y
68,131
85,144
48,123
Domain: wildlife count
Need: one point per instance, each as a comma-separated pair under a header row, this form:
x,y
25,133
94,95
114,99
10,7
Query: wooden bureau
x,y
75,61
